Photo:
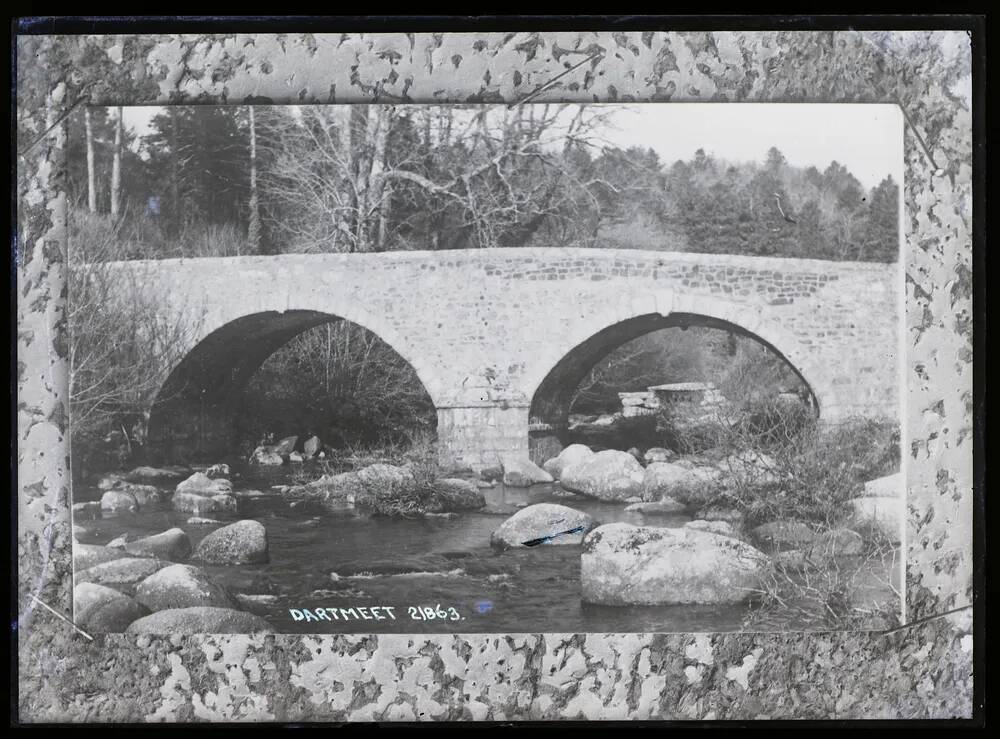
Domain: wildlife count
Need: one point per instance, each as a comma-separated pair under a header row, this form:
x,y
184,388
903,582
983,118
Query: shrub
x,y
410,497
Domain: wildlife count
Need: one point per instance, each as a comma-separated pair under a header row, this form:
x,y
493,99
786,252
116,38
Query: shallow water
x,y
436,575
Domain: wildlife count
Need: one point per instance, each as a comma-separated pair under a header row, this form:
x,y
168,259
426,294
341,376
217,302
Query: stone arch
x,y
222,356
557,374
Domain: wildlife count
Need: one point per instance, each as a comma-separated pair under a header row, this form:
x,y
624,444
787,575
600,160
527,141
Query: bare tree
x,y
91,172
253,230
116,166
120,347
377,177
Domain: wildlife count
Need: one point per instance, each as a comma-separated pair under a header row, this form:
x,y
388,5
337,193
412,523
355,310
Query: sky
x,y
865,138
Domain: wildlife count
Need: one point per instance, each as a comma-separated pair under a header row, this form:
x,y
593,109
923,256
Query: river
x,y
434,575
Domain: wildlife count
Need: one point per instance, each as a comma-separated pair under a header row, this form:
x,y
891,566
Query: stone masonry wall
x,y
483,328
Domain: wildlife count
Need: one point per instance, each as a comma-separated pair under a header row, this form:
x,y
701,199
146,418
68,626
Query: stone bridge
x,y
503,335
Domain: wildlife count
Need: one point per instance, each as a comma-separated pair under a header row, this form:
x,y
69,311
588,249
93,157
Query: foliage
x,y
118,346
342,383
408,497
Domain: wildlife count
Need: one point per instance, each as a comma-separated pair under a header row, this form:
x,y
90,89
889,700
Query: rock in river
x,y
102,610
201,484
572,454
181,586
156,474
286,446
243,542
658,454
608,475
523,473
173,544
200,620
218,470
199,505
541,521
312,446
685,484
121,574
637,565
267,457
457,495
116,500
86,556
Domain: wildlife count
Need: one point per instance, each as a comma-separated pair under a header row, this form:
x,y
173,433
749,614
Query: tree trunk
x,y
116,167
91,174
253,230
382,191
175,205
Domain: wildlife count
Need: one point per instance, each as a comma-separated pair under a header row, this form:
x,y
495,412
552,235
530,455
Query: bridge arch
x,y
190,414
557,375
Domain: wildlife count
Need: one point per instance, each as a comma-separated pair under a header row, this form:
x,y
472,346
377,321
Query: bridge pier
x,y
480,436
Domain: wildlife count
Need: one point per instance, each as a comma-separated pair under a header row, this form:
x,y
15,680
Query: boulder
x,y
218,470
243,542
156,474
181,586
146,496
296,458
200,620
836,543
663,507
286,446
639,565
173,544
722,528
121,574
110,481
266,457
658,454
881,512
890,486
384,475
89,511
572,454
458,495
608,475
634,451
102,610
784,534
523,473
201,484
86,556
540,521
115,500
199,505
686,484
312,446
119,542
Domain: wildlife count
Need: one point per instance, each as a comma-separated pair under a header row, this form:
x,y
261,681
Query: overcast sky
x,y
867,139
